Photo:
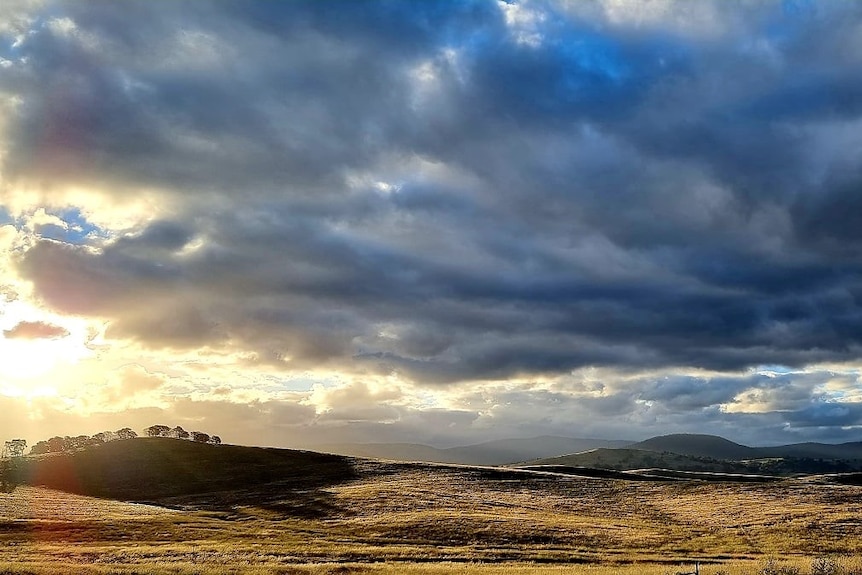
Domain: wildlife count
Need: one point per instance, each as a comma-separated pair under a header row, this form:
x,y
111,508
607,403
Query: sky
x,y
302,222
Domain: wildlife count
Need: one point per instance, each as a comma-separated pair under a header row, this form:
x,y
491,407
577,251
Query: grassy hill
x,y
627,459
157,468
509,451
850,450
394,517
697,445
230,509
653,461
716,447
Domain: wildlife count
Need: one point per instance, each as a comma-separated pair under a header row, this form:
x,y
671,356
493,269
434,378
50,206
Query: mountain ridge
x,y
523,450
494,452
717,447
697,444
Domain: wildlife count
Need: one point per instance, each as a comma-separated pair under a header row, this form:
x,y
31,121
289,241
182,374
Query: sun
x,y
23,360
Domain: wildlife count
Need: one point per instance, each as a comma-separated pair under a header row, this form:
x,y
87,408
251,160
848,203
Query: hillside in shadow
x,y
154,469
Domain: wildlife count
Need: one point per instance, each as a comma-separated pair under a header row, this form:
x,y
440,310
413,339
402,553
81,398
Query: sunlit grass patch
x,y
384,518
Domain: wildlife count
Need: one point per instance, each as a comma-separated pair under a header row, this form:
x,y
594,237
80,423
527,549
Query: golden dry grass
x,y
332,569
426,519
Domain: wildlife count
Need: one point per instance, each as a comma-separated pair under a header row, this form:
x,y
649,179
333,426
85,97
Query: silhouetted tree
x,y
126,433
105,436
178,433
200,437
157,431
56,444
215,440
5,471
79,442
14,448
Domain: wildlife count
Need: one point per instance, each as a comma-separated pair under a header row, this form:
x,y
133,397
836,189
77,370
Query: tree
x,y
126,433
40,448
56,444
215,440
7,481
79,442
178,433
105,436
200,437
14,448
157,431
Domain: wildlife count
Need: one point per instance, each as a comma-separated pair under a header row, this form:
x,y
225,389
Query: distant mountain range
x,y
719,448
498,452
713,454
704,453
656,463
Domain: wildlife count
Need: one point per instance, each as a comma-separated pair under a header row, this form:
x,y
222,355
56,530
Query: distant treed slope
x,y
624,459
697,445
153,468
630,459
498,452
720,448
508,451
852,450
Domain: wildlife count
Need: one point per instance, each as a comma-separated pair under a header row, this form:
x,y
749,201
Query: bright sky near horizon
x,y
437,222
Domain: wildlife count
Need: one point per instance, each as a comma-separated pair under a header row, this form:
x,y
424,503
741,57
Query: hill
x,y
391,517
628,459
850,450
663,464
158,468
717,447
697,445
497,452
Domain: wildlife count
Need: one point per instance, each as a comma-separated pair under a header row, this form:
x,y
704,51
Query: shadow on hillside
x,y
848,479
176,473
270,501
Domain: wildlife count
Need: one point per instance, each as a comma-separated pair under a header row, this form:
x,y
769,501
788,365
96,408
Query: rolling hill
x,y
510,451
268,510
850,450
712,454
498,452
628,459
713,446
157,468
697,445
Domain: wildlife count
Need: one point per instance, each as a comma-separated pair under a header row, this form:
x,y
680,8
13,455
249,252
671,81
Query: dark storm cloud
x,y
415,187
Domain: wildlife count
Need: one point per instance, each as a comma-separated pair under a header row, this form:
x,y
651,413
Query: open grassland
x,y
227,509
816,566
382,518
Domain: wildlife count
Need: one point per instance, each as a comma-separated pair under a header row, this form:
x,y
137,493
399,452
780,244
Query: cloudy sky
x,y
438,222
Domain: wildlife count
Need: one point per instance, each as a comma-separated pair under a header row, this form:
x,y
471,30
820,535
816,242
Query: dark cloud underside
x,y
453,193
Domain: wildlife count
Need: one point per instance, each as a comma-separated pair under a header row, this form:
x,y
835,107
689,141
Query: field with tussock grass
x,y
315,515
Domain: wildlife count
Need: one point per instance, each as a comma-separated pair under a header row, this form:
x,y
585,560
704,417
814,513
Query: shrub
x,y
772,567
825,566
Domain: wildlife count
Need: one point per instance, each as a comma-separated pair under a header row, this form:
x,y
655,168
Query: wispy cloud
x,y
35,330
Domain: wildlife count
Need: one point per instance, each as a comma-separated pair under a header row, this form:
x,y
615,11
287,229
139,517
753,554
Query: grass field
x,y
422,518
